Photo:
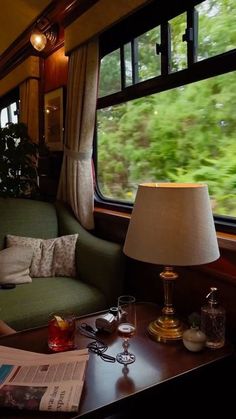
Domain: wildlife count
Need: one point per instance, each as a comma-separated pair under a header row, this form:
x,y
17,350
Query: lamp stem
x,y
169,277
167,326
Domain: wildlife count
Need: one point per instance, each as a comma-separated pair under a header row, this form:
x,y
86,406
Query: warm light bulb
x,y
38,40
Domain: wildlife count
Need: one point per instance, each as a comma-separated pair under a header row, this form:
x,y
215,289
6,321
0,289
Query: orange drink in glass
x,y
61,332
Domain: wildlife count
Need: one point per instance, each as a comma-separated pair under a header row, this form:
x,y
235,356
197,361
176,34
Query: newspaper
x,y
34,381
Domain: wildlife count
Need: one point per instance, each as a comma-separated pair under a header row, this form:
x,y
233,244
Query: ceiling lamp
x,y
43,33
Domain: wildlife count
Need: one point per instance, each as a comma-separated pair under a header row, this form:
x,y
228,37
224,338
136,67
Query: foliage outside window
x,y
182,134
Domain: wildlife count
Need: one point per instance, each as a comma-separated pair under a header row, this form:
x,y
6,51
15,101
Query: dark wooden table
x,y
157,369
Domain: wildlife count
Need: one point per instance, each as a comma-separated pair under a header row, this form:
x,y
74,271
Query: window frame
x,y
195,71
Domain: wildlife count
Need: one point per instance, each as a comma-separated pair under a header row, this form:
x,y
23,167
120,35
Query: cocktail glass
x,y
126,326
61,332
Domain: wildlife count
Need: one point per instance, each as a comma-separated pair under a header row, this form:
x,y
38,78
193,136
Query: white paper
x,y
29,380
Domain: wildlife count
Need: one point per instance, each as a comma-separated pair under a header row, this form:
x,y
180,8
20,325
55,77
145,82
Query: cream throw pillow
x,y
14,265
51,257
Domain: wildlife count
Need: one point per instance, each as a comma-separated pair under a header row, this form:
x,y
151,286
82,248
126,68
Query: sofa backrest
x,y
29,218
99,262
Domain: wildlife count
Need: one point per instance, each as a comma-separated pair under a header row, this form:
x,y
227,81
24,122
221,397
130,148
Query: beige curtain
x,y
29,107
76,180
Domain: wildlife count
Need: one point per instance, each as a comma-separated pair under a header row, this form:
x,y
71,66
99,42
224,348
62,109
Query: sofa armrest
x,y
99,262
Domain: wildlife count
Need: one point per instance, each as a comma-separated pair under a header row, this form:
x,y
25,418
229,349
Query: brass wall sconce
x,y
42,33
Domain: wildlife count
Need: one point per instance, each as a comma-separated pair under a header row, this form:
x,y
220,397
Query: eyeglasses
x,y
99,349
96,346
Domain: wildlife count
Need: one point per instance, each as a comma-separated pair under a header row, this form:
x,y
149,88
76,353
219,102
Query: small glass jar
x,y
194,339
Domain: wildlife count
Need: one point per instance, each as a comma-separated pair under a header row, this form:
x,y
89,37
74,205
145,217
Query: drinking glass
x,y
61,332
126,326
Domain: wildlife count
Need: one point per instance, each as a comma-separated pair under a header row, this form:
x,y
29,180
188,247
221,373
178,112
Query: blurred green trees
x,y
186,134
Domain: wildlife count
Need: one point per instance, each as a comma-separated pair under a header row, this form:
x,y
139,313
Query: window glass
x,y
9,114
149,63
4,117
128,64
178,46
217,27
186,134
110,79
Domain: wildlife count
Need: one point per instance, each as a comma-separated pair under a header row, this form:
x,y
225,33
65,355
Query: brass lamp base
x,y
166,329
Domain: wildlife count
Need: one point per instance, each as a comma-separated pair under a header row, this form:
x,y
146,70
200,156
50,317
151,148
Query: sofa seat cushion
x,y
32,303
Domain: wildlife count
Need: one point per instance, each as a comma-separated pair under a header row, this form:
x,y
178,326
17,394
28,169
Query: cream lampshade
x,y
171,225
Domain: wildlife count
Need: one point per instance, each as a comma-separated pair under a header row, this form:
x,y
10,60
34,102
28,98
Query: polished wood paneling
x,y
110,225
55,70
143,280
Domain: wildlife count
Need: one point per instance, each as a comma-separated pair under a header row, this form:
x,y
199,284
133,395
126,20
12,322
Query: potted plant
x,y
18,163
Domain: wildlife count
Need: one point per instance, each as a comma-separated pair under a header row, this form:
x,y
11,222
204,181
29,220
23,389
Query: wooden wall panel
x,y
55,70
143,281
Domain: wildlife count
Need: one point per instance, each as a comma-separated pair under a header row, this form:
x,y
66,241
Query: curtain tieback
x,y
78,155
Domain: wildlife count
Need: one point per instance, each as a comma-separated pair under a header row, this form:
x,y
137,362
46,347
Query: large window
x,y
166,107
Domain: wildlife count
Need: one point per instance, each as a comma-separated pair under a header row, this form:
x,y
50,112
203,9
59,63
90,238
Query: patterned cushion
x,y
14,265
52,257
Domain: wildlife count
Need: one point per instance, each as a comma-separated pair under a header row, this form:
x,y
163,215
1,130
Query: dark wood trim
x,y
225,240
192,41
165,49
108,212
76,9
12,96
122,67
220,275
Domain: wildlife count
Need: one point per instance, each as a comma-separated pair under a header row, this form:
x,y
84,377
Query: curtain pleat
x,y
29,107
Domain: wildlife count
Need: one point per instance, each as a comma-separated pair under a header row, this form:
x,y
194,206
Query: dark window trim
x,y
7,100
191,36
141,21
225,224
11,97
110,204
210,67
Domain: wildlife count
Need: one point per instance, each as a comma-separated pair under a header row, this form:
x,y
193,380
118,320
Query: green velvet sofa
x,y
100,266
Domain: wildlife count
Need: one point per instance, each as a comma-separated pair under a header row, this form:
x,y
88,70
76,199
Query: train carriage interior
x,y
117,135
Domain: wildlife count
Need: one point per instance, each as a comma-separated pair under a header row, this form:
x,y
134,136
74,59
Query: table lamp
x,y
171,225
